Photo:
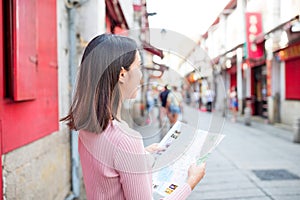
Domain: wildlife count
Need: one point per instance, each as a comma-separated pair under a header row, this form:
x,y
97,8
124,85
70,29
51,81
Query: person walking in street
x,y
195,98
174,105
163,96
210,95
149,105
114,162
233,103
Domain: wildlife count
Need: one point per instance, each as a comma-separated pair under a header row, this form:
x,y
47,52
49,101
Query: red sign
x,y
253,29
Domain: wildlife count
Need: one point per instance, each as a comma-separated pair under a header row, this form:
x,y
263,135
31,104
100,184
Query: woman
x,y
114,162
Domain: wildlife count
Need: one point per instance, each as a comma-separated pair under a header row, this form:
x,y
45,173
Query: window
x,y
20,57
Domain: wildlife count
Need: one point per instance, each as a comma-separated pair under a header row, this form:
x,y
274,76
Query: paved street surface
x,y
257,162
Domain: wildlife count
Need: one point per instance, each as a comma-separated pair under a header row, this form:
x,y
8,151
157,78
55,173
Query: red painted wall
x,y
1,92
26,121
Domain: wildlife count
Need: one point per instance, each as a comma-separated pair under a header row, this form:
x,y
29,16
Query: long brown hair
x,y
97,95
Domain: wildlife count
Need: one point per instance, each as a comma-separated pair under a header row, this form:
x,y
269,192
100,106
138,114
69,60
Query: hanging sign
x,y
253,29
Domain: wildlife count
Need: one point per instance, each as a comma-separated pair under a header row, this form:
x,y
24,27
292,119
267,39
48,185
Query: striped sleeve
x,y
131,162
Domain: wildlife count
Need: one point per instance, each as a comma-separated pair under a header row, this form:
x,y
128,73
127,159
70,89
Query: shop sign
x,y
253,29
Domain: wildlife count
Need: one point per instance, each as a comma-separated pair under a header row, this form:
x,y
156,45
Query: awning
x,y
116,14
148,47
284,26
217,59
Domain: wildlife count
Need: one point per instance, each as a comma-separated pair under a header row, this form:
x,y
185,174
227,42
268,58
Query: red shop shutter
x,y
25,50
292,73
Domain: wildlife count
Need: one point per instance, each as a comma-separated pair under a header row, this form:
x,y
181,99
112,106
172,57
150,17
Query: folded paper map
x,y
182,146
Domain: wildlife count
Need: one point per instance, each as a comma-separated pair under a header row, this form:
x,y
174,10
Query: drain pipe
x,y
71,8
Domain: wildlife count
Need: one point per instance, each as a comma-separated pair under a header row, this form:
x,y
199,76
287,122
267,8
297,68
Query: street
x,y
257,162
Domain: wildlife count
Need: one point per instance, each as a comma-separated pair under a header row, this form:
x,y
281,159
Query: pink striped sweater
x,y
116,166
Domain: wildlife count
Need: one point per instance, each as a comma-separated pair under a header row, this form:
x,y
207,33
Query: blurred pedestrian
x,y
195,98
163,108
210,95
174,105
188,98
113,159
149,105
233,103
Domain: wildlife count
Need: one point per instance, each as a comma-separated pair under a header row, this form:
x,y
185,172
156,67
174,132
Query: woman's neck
x,y
118,115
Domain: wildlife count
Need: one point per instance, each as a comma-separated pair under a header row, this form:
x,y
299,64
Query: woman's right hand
x,y
195,174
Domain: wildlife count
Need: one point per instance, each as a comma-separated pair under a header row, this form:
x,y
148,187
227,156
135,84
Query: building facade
x,y
255,46
35,150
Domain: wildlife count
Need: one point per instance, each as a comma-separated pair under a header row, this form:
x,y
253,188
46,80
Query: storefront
x,y
259,90
283,70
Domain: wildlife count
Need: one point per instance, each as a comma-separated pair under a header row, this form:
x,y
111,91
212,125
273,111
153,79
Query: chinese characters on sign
x,y
253,29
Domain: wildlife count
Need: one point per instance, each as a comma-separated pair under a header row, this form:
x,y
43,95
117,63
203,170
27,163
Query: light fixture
x,y
157,59
156,73
156,67
245,66
295,27
228,64
284,40
269,44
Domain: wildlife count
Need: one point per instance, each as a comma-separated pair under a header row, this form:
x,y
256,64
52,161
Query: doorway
x,y
260,91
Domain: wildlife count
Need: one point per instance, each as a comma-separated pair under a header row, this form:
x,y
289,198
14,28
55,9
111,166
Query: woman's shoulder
x,y
115,132
118,136
129,140
121,127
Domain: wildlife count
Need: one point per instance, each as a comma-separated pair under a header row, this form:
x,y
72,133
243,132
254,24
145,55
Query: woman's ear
x,y
122,75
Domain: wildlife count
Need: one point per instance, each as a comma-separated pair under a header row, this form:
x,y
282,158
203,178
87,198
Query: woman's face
x,y
131,79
